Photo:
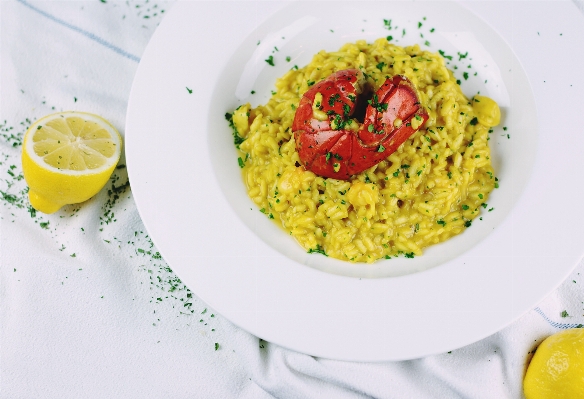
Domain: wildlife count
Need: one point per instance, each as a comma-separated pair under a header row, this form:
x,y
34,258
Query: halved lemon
x,y
67,158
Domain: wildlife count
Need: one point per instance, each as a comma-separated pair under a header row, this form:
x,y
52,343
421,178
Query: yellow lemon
x,y
67,157
557,368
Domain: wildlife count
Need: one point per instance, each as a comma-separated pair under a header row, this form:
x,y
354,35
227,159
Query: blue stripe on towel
x,y
83,32
557,325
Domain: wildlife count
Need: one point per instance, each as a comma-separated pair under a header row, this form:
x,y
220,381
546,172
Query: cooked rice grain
x,y
424,193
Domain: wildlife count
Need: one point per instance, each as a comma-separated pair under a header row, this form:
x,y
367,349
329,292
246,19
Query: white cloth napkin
x,y
88,307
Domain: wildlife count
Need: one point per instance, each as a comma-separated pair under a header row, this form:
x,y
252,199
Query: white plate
x,y
189,192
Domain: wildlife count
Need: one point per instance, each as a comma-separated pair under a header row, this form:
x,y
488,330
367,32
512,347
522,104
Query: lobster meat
x,y
339,132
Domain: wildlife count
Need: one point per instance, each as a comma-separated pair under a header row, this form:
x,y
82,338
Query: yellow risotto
x,y
427,191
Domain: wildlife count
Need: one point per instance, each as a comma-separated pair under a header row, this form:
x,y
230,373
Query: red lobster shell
x,y
329,139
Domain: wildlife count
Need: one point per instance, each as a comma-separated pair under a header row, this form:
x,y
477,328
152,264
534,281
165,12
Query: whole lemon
x,y
67,158
557,368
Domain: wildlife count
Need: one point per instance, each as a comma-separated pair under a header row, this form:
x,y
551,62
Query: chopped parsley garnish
x,y
318,250
334,98
474,121
237,139
338,122
449,57
240,162
10,198
346,110
374,102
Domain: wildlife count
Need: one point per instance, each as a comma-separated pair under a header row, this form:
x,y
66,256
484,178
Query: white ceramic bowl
x,y
187,183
